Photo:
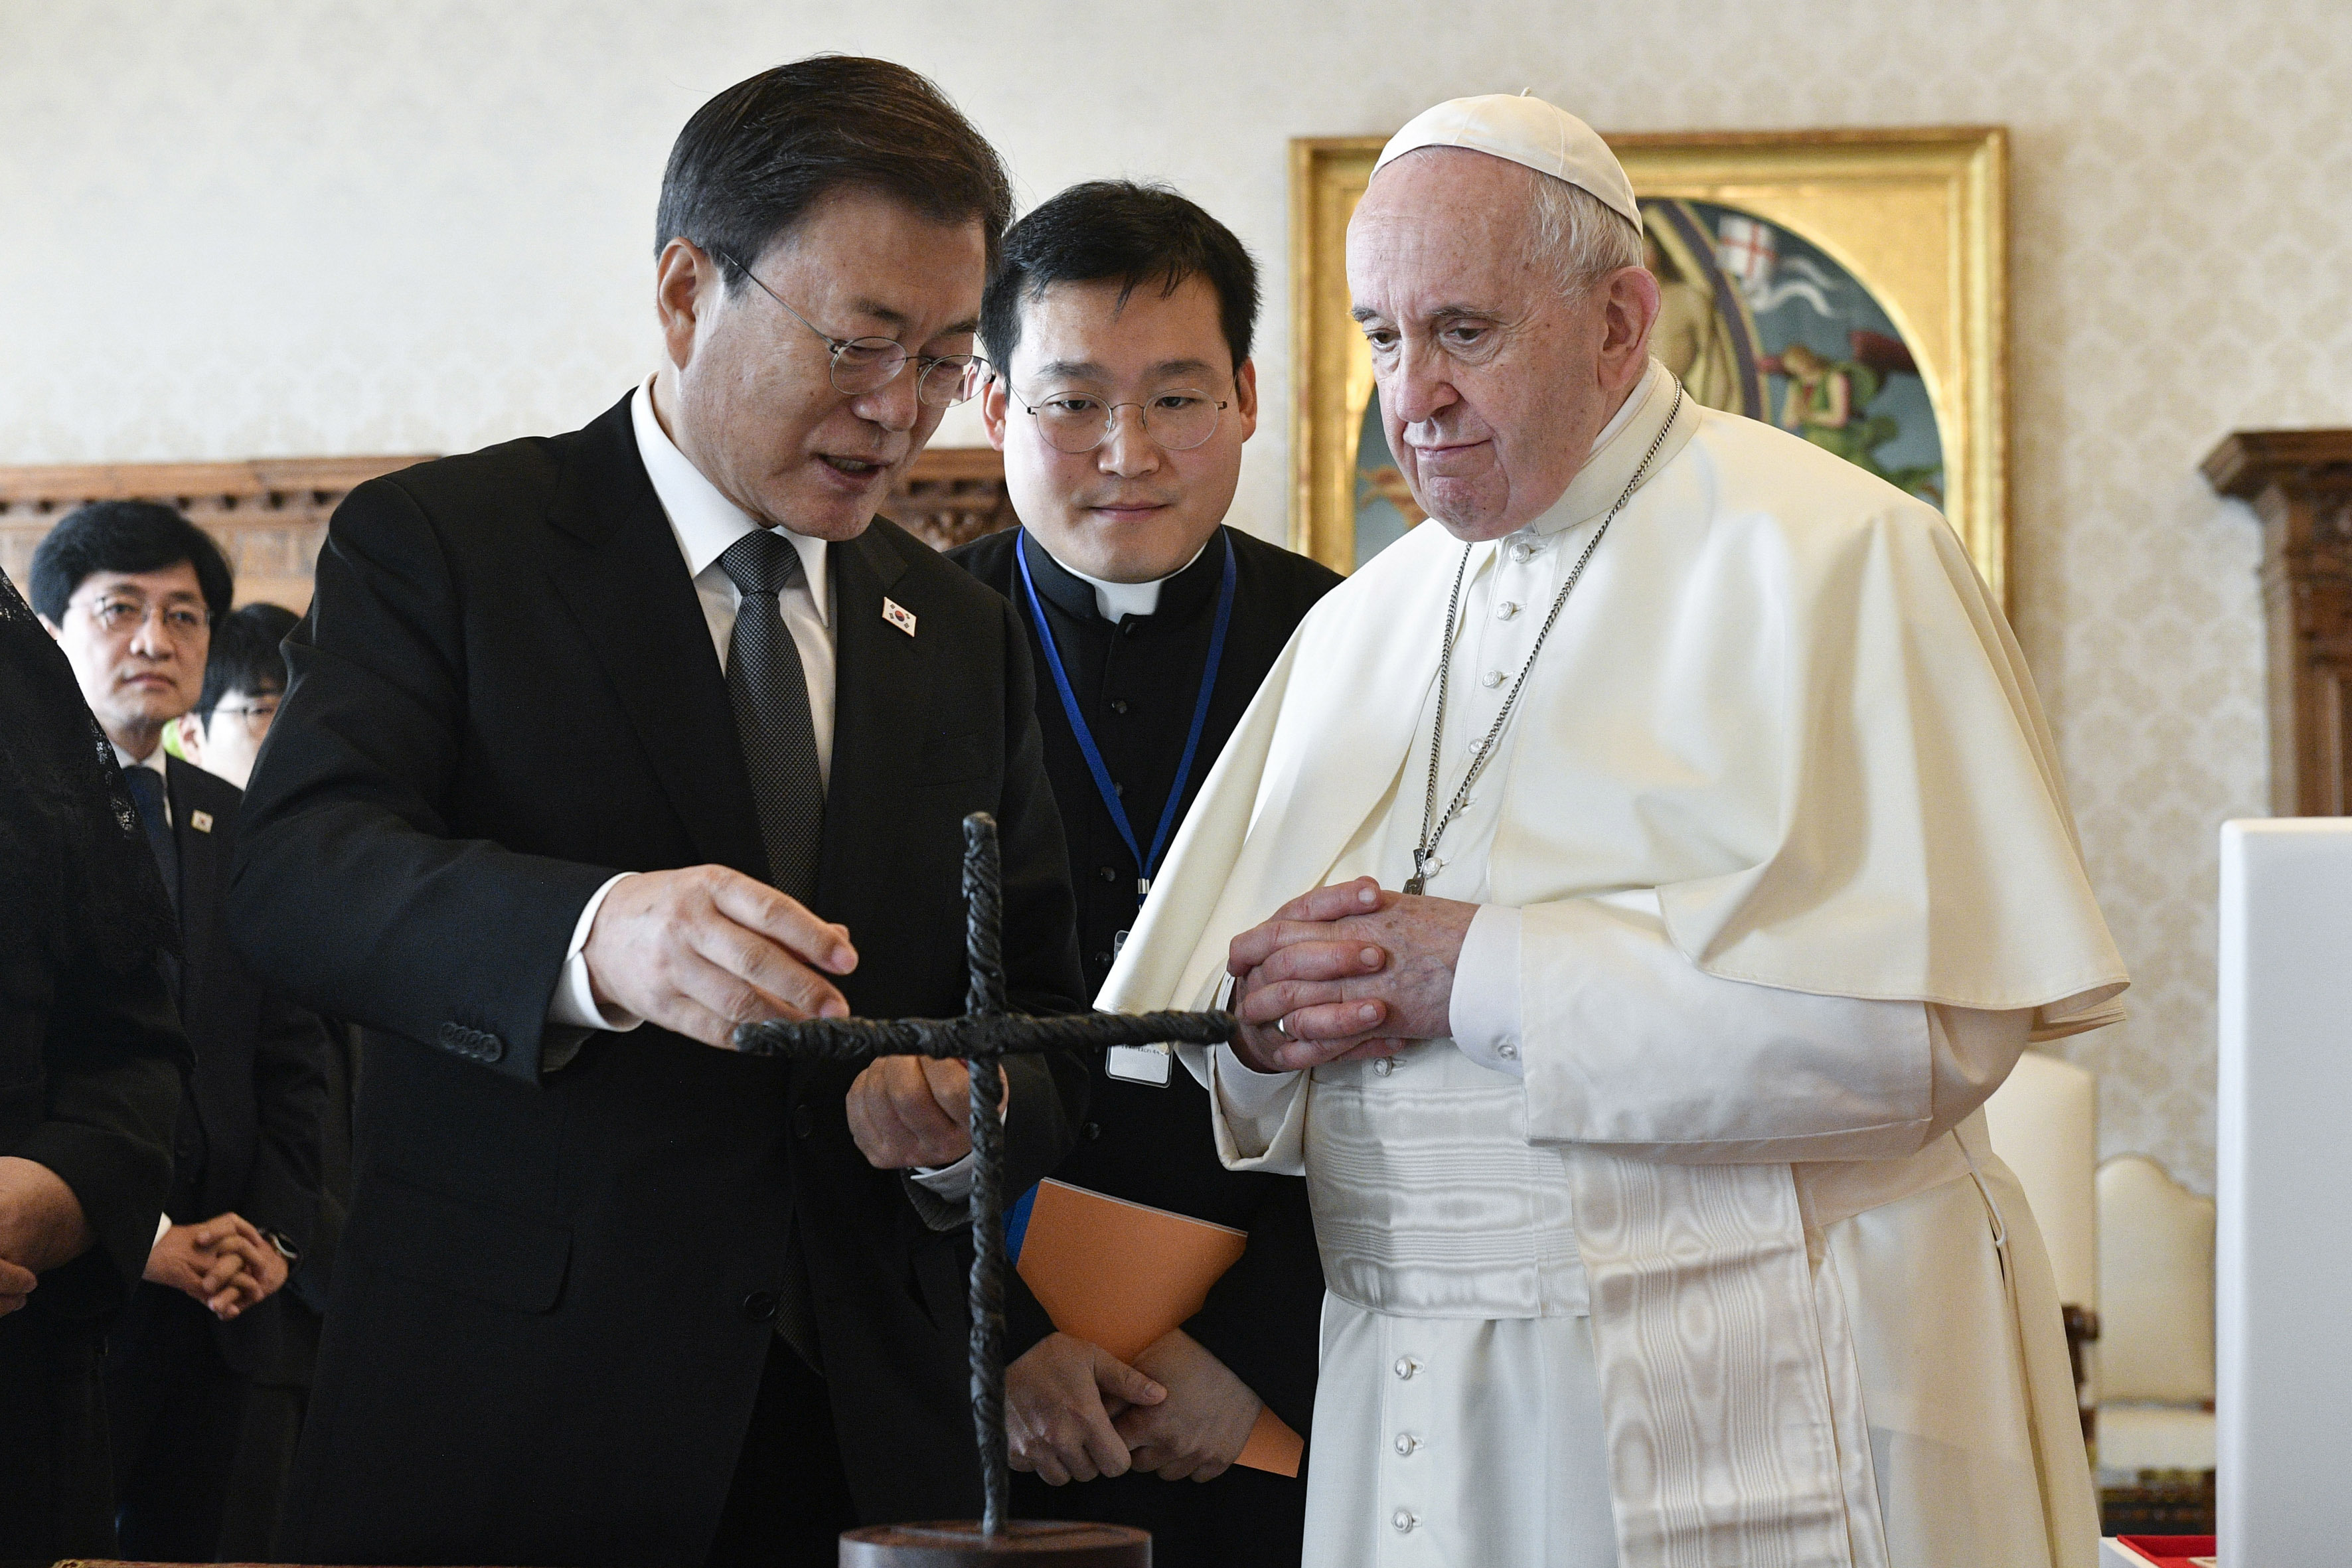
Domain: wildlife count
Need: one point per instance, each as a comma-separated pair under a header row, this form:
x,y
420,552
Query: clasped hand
x,y
1074,1410
701,950
1345,973
224,1263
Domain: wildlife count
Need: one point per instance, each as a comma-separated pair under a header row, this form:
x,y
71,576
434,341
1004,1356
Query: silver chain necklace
x,y
1425,853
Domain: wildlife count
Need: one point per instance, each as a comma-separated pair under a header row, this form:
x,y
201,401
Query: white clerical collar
x,y
1626,410
705,522
1114,600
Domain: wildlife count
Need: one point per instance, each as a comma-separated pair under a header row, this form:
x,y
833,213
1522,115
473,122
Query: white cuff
x,y
575,1004
162,1227
1241,1089
1484,1006
951,1183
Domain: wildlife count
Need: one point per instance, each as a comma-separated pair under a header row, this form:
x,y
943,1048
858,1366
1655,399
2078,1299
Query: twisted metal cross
x,y
982,1036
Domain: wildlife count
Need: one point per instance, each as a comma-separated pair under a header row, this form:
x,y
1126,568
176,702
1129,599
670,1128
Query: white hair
x,y
1580,237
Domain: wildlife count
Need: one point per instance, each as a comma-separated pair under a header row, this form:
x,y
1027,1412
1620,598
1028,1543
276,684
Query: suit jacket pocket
x,y
491,1255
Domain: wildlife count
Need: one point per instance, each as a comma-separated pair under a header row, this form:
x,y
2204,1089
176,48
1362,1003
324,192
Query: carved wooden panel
x,y
2300,483
270,514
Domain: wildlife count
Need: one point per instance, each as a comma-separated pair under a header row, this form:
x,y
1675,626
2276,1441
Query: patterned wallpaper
x,y
237,227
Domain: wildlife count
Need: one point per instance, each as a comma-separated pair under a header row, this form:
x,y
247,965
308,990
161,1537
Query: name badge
x,y
1139,1064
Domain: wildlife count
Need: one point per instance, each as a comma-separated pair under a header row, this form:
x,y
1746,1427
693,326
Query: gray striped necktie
x,y
769,693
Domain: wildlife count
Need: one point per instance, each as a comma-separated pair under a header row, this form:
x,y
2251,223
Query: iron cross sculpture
x,y
984,1035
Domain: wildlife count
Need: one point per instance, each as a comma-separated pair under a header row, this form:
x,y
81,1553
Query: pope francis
x,y
1666,857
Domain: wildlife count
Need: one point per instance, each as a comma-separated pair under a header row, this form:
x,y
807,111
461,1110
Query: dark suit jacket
x,y
246,1138
554,1295
1136,684
91,1064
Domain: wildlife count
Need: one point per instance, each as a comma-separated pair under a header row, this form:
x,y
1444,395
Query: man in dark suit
x,y
131,590
1119,330
93,1060
597,746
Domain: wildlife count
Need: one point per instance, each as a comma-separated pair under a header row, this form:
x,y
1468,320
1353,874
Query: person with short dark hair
x,y
1118,329
131,591
93,1059
244,679
597,746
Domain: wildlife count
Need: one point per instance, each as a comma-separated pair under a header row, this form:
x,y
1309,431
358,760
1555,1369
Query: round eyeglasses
x,y
860,365
1176,420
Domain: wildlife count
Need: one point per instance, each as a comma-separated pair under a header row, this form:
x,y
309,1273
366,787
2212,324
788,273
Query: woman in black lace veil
x,y
91,1059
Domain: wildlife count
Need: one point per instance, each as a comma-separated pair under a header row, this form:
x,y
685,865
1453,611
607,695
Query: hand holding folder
x,y
1122,1274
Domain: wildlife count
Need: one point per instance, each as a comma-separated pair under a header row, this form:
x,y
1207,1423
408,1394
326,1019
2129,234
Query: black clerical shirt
x,y
1136,682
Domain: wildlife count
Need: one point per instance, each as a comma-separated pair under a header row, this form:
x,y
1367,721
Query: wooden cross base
x,y
962,1544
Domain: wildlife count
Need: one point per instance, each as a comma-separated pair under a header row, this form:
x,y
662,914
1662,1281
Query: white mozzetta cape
x,y
1781,703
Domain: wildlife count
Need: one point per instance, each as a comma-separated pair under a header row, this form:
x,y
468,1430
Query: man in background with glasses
x,y
245,677
133,593
598,746
1119,330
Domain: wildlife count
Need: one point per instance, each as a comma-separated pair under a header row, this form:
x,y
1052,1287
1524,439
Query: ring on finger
x,y
1281,1028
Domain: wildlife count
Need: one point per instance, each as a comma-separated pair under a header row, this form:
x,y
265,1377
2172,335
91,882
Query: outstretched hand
x,y
1346,972
700,950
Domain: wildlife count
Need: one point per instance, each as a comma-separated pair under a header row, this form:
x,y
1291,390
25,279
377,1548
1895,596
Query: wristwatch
x,y
286,1249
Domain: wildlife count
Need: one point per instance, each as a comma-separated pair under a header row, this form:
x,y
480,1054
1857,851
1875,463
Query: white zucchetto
x,y
1526,130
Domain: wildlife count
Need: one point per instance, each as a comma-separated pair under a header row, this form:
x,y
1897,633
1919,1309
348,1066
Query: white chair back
x,y
2156,1280
2045,1125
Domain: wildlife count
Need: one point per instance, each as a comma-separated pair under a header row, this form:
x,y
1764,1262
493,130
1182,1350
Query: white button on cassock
x,y
1407,1365
1405,1518
1406,1443
1506,610
1491,680
1384,1066
1508,1051
1523,551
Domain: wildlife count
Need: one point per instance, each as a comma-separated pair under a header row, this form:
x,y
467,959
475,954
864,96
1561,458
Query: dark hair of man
x,y
1137,233
125,536
246,656
754,160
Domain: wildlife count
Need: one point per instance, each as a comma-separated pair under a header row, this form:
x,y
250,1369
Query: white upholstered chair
x,y
2156,1349
2045,1125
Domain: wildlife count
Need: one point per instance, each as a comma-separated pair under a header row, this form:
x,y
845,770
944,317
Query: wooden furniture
x,y
2300,483
270,514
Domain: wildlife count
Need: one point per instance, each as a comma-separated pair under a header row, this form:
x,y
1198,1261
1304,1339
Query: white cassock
x,y
1689,1249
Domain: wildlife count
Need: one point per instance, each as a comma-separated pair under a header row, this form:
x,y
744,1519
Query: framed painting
x,y
1849,286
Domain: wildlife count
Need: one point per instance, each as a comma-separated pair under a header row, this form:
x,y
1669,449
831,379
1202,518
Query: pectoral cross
x,y
982,1038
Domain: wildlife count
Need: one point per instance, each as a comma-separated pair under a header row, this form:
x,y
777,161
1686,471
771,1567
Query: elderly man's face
x,y
1492,383
747,394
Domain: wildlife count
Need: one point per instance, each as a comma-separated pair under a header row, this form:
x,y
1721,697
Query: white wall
x,y
235,227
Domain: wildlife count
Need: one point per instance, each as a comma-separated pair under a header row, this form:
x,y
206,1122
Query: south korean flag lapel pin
x,y
899,615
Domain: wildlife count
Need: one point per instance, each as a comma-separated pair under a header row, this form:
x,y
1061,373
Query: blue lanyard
x,y
1145,864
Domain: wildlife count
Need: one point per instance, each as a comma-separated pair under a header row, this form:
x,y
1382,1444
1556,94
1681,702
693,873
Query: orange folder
x,y
1121,1275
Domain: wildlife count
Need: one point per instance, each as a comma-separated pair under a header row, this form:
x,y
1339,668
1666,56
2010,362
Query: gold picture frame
x,y
1918,218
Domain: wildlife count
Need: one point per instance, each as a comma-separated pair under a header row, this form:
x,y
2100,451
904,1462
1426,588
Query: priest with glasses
x,y
1121,329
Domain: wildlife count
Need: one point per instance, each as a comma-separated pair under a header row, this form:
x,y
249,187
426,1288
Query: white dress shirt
x,y
705,523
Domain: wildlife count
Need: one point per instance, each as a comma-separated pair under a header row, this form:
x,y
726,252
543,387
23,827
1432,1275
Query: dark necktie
x,y
769,693
146,787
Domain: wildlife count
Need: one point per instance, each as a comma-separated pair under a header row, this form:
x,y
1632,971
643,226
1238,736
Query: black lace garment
x,y
76,873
